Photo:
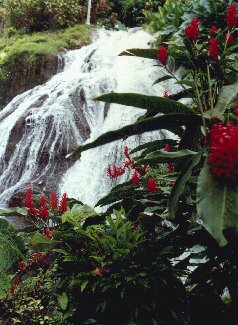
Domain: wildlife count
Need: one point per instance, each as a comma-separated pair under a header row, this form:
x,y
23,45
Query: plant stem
x,y
210,89
200,104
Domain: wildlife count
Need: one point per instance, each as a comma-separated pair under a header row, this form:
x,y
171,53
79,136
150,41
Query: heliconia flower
x,y
135,178
213,52
44,213
162,55
231,19
126,152
192,30
53,201
151,185
229,38
43,201
63,204
170,167
223,151
166,94
167,148
213,30
48,233
28,201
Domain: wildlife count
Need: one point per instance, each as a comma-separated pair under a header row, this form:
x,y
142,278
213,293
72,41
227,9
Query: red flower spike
x,y
213,53
166,94
44,213
231,19
126,152
48,233
28,201
63,204
167,148
151,185
235,111
229,38
170,168
53,201
43,202
192,30
223,148
213,30
135,178
162,55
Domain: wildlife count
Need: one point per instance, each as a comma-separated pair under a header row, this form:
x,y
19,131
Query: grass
x,y
48,42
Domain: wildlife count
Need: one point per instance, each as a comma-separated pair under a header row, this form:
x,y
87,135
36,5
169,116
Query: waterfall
x,y
41,126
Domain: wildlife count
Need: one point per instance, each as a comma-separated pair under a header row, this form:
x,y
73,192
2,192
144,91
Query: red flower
x,y
162,55
167,148
135,178
231,19
166,94
39,259
235,111
126,152
53,201
63,204
44,213
170,167
43,202
213,30
114,171
142,169
134,227
15,284
28,202
192,30
48,233
151,185
229,38
22,267
223,148
213,49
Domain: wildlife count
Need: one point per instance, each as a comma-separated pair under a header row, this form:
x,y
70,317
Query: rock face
x,y
22,75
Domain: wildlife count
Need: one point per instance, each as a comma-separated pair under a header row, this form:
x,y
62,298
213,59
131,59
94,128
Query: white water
x,y
50,120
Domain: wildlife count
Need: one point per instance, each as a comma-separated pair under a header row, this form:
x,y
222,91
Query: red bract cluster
x,y
152,185
229,38
135,178
53,201
63,204
192,30
115,171
231,19
223,151
39,259
166,94
43,212
213,30
167,148
162,55
213,53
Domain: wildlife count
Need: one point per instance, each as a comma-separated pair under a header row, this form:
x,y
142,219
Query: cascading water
x,y
39,127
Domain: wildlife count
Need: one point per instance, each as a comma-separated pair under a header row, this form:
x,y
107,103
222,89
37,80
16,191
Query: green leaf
x,y
83,285
146,125
226,96
164,78
14,212
162,156
63,301
171,63
154,145
40,241
217,206
150,103
180,183
143,53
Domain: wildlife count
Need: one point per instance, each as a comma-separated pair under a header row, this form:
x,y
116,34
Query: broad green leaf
x,y
14,212
226,96
139,127
180,183
63,301
186,83
154,145
150,103
162,156
83,285
40,241
217,206
164,78
143,53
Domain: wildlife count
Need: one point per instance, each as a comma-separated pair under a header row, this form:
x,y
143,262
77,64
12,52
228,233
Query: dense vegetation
x,y
165,251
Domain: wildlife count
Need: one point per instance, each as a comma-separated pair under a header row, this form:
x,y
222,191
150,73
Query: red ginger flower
x,y
15,284
28,202
39,259
170,167
23,267
126,152
213,30
135,178
192,30
229,38
48,233
162,55
213,53
223,148
166,94
231,19
151,185
167,148
53,201
63,204
114,171
43,201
